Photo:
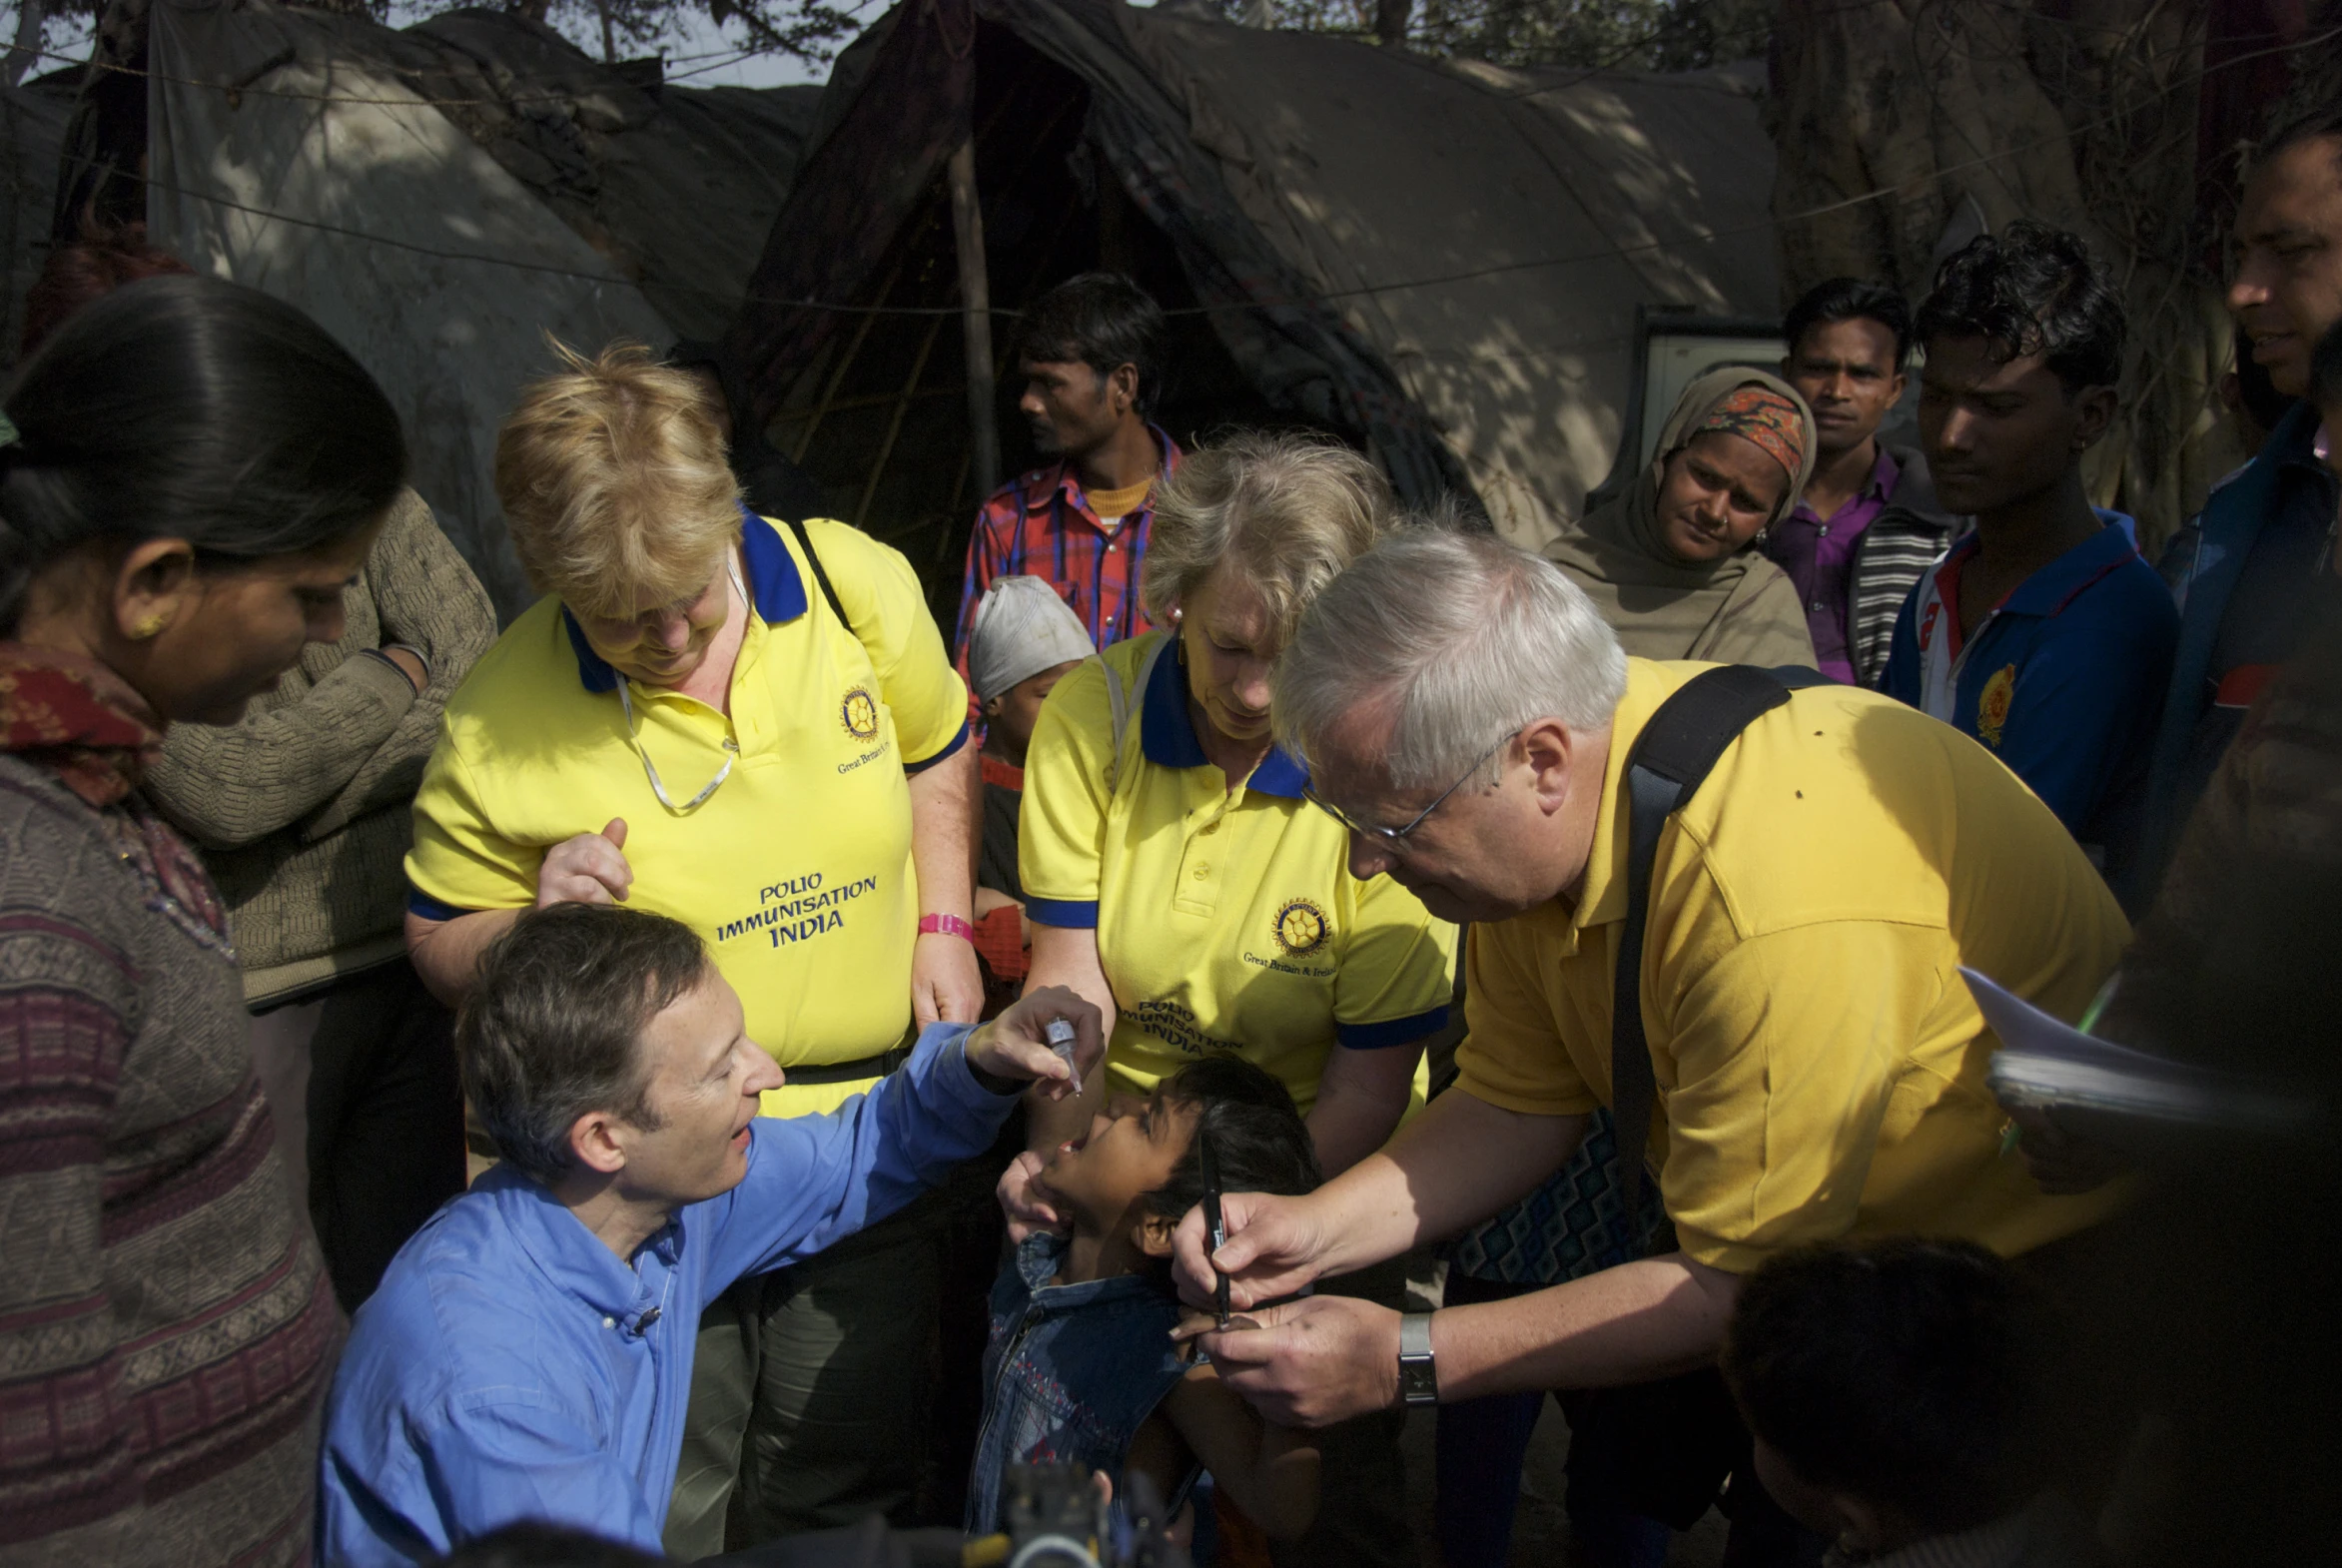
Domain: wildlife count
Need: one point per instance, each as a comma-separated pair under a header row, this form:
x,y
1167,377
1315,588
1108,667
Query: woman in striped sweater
x,y
190,473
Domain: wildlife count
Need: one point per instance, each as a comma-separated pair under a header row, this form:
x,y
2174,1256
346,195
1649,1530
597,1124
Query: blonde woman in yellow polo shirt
x,y
1175,875
755,729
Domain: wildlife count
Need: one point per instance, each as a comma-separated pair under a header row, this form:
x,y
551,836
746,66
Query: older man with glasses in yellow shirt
x,y
1817,1062
755,730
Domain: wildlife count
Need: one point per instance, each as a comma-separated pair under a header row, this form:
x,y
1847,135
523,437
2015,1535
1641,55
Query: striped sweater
x,y
1910,534
164,1322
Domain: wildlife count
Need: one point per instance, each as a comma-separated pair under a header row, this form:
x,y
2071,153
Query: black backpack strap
x,y
1670,761
805,543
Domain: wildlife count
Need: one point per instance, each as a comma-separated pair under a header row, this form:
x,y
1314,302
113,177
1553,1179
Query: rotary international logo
x,y
1992,704
1300,927
859,714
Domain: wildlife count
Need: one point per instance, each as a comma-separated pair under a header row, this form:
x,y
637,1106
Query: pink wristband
x,y
946,924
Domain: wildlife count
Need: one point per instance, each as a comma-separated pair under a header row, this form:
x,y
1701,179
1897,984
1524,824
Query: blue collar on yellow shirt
x,y
774,584
1168,736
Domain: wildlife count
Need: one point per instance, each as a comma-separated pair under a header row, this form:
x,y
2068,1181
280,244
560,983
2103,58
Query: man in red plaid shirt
x,y
1091,353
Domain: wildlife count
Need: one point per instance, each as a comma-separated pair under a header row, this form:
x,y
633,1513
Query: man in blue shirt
x,y
2253,574
2042,633
528,1354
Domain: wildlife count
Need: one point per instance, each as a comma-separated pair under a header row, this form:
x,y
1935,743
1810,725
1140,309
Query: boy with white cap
x,y
1021,639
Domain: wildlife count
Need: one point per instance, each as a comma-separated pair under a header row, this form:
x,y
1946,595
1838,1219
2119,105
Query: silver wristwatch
x,y
1418,1373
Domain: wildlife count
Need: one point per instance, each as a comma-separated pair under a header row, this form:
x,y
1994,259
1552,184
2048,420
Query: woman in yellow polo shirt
x,y
756,730
1175,875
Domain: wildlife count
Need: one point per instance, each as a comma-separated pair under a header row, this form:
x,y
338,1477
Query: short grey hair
x,y
1462,639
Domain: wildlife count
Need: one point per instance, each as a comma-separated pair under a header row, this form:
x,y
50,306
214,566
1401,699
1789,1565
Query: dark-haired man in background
x,y
1090,353
1868,522
2043,635
2253,578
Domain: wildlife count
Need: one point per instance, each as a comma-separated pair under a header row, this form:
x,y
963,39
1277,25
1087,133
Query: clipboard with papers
x,y
2047,1064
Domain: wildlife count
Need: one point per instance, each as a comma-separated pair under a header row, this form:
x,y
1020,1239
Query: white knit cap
x,y
1021,628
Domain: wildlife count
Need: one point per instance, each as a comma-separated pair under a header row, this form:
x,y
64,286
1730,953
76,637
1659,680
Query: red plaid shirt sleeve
x,y
1041,525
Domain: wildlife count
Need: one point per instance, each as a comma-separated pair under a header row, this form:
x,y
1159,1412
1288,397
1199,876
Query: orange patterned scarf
x,y
78,719
1759,415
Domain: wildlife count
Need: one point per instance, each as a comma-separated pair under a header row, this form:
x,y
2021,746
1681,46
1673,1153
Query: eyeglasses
x,y
634,728
657,786
1395,839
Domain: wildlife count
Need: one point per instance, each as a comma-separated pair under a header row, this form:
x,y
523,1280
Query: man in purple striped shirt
x,y
1868,523
1090,353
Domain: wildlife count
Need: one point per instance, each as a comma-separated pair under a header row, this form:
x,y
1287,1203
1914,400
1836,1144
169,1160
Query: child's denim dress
x,y
1069,1371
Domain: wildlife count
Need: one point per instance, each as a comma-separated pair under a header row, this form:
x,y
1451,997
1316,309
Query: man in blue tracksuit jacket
x,y
2042,633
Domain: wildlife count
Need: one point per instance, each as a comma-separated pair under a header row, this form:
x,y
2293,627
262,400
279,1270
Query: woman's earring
x,y
152,628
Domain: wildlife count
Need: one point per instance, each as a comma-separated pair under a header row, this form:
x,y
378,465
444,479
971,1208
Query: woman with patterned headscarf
x,y
1669,564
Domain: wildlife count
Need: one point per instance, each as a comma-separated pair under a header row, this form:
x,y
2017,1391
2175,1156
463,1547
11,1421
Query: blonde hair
x,y
1287,511
616,484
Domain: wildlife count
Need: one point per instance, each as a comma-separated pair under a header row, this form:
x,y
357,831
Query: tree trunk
x,y
1391,21
25,52
1900,121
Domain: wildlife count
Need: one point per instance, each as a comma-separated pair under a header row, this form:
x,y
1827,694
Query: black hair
x,y
2031,289
197,409
1909,1373
1104,321
1258,1136
1849,300
2313,125
554,1022
533,1544
2325,371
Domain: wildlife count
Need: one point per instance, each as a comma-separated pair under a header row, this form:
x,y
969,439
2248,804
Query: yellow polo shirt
x,y
1820,1063
1228,921
797,869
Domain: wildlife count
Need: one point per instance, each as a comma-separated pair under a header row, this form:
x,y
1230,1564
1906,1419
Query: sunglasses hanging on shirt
x,y
634,735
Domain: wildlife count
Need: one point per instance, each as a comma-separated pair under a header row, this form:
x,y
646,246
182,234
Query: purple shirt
x,y
1818,555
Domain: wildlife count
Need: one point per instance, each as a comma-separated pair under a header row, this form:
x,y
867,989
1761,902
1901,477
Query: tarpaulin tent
x,y
1441,262
32,130
439,198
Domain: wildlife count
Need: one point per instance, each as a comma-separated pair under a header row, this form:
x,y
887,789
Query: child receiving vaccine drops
x,y
1081,1366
